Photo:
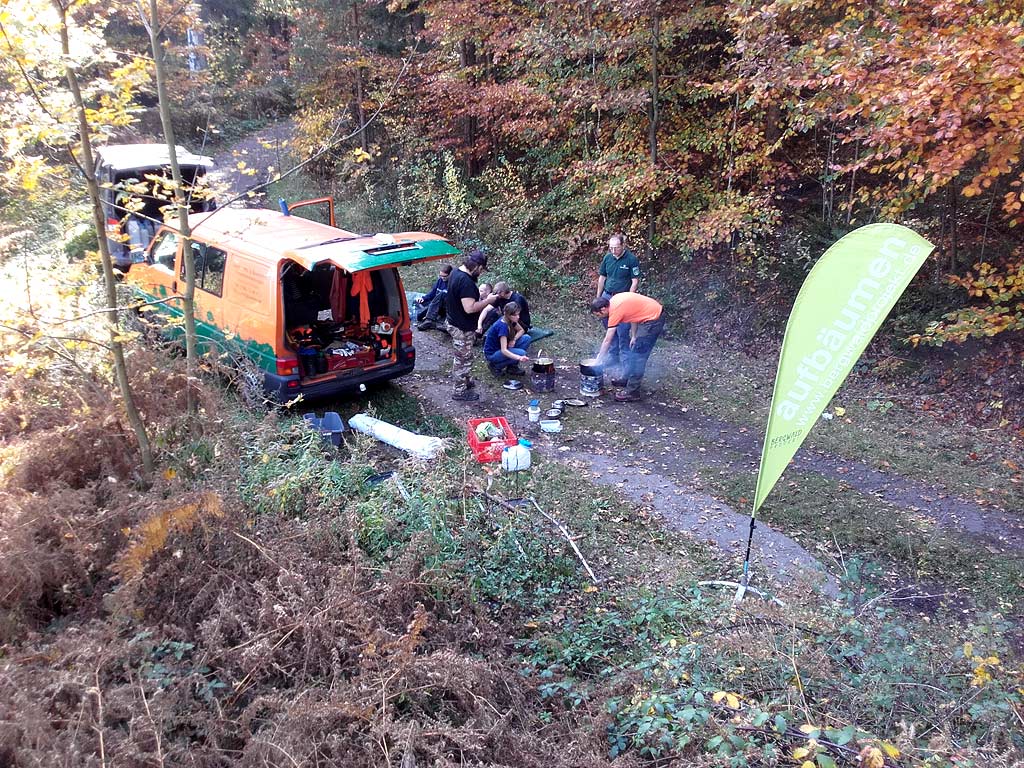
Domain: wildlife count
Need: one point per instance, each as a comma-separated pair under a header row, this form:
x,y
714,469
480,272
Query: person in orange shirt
x,y
646,320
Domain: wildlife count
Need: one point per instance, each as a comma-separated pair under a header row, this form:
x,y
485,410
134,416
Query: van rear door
x,y
320,209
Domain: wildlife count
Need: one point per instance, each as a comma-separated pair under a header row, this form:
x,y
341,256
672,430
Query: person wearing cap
x,y
645,319
463,305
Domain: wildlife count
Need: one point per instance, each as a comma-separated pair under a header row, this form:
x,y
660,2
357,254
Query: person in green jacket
x,y
619,273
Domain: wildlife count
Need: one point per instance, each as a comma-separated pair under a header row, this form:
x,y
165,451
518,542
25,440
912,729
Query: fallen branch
x,y
561,528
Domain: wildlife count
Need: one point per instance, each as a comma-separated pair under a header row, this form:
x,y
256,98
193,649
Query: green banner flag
x,y
840,306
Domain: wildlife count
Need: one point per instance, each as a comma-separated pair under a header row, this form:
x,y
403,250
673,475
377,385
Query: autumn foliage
x,y
715,129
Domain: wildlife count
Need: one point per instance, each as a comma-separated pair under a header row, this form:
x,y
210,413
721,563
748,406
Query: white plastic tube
x,y
421,446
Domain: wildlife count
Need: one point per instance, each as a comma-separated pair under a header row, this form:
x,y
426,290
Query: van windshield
x,y
147,193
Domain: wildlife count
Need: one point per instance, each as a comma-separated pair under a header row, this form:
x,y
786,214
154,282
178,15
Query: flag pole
x,y
741,590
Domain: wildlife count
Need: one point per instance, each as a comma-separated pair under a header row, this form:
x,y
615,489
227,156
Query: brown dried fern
x,y
152,535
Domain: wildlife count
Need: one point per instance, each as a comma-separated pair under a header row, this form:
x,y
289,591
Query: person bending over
x,y
645,319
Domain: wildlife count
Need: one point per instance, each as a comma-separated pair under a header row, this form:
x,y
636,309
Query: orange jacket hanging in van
x,y
361,287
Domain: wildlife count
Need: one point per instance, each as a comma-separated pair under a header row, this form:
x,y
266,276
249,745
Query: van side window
x,y
164,250
213,274
198,250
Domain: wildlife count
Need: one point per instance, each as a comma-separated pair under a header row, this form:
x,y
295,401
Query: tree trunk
x,y
88,165
181,203
652,131
364,141
468,56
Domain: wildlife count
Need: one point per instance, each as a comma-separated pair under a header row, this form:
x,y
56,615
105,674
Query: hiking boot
x,y
620,382
627,397
466,396
426,325
470,384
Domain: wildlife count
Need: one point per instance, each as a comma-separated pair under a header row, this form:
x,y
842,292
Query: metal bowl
x,y
553,413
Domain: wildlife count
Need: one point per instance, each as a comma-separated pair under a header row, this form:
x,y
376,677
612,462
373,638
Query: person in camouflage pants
x,y
463,305
462,344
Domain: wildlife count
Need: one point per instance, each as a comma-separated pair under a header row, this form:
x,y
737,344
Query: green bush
x,y
80,242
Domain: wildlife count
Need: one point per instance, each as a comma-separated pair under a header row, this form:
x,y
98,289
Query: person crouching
x,y
506,342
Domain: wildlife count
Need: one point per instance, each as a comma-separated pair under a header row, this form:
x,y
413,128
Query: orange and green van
x,y
317,310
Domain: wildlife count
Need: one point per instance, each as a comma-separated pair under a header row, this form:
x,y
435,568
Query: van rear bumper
x,y
278,390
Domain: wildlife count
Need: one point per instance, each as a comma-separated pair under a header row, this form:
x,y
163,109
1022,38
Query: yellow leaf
x,y
718,697
732,700
807,728
871,757
968,649
170,473
807,764
840,411
800,753
890,749
590,588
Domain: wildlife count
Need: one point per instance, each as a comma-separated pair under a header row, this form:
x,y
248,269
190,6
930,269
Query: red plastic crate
x,y
358,360
485,452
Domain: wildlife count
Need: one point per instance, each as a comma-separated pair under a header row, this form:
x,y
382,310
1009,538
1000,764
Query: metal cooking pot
x,y
590,367
544,365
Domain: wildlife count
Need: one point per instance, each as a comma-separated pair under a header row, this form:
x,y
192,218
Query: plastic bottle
x,y
516,458
534,410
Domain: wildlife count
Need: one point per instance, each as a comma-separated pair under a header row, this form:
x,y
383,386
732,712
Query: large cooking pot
x,y
544,365
590,367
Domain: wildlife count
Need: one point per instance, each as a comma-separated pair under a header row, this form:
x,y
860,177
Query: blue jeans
x,y
433,310
499,362
619,348
637,356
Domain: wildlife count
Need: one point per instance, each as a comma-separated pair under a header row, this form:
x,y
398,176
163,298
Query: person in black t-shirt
x,y
463,305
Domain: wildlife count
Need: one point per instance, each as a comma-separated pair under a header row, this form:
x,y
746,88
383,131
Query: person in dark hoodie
x,y
434,301
505,294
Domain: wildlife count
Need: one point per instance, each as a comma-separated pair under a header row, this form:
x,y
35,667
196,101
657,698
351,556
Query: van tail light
x,y
407,351
287,366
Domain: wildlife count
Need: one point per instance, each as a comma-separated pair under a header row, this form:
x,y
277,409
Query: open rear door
x,y
319,209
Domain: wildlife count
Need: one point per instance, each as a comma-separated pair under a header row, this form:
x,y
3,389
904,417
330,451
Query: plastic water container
x,y
534,410
516,458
